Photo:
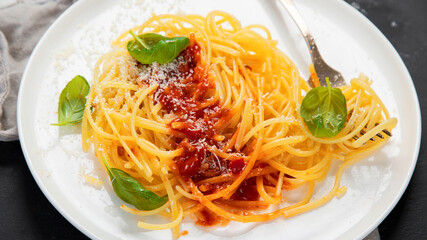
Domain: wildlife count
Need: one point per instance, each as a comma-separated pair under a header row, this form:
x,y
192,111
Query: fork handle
x,y
314,51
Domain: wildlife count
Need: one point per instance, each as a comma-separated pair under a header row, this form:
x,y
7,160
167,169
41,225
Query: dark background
x,y
26,214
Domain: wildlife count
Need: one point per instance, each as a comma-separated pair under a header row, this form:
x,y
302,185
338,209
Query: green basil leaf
x,y
72,101
324,110
151,47
131,191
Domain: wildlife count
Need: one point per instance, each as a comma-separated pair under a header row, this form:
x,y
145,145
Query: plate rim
x,y
365,20
23,143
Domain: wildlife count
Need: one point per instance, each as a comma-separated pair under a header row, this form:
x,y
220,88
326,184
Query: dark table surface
x,y
27,214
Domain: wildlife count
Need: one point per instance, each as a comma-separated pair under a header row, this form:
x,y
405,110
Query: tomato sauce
x,y
184,91
207,218
247,191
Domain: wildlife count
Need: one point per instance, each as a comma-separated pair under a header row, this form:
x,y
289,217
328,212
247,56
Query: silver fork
x,y
323,70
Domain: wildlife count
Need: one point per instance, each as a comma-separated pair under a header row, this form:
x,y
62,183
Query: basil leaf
x,y
151,47
72,101
324,110
131,191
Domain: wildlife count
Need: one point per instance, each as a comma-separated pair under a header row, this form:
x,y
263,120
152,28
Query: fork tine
x,y
387,132
378,134
363,133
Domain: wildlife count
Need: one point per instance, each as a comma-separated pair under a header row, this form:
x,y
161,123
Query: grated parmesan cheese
x,y
93,181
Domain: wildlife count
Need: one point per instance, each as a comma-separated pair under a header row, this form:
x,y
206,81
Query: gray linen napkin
x,y
22,23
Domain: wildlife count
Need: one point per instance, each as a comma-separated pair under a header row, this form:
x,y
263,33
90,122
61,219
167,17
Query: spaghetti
x,y
218,129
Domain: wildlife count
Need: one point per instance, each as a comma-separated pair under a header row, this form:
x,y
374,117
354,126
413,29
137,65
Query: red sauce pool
x,y
247,191
207,218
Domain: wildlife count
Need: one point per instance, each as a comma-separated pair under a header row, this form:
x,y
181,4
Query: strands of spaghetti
x,y
218,129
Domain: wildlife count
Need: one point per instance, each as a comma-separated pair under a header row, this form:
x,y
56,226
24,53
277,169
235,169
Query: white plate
x,y
347,40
